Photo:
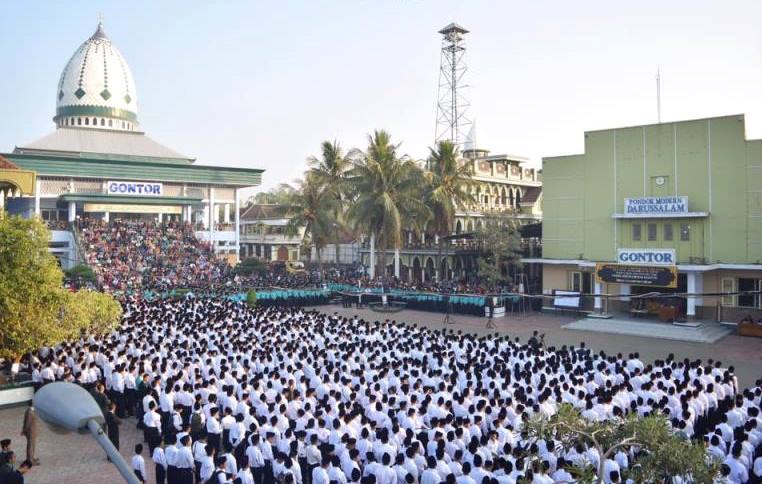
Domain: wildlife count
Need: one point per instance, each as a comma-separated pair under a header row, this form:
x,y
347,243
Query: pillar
x,y
624,291
105,217
2,200
72,211
410,272
372,256
211,217
397,263
226,213
37,197
598,299
160,217
692,286
237,223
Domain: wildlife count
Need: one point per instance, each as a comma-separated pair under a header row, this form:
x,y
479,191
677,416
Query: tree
x,y
249,266
313,209
251,299
448,187
330,171
279,195
662,454
35,309
499,243
81,273
386,190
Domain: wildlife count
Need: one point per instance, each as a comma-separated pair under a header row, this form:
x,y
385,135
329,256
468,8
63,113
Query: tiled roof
x,y
6,164
531,195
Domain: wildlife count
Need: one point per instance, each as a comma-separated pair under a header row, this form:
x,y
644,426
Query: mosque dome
x,y
96,88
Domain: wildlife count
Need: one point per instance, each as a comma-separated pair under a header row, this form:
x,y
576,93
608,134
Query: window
x,y
635,231
728,286
651,232
581,282
685,232
79,121
110,123
87,121
668,232
749,300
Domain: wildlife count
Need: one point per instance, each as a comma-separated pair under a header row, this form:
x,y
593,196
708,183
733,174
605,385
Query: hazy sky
x,y
261,84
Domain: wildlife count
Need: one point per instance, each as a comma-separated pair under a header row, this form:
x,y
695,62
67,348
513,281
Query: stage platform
x,y
702,332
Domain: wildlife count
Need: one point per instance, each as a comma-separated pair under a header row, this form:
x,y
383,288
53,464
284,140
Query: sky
x,y
261,84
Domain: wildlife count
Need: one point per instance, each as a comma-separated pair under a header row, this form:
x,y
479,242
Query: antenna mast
x,y
452,122
658,95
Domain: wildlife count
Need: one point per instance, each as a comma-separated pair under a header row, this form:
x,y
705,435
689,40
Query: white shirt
x,y
138,464
320,476
159,458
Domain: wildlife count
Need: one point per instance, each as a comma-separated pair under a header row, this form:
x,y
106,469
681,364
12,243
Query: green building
x,y
98,163
682,197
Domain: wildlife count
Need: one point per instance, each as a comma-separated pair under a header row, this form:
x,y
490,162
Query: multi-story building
x,y
502,184
264,233
668,208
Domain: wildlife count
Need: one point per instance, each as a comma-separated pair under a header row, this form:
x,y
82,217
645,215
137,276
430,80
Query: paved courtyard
x,y
77,459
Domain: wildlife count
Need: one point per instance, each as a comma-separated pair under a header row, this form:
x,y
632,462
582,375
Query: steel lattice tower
x,y
452,122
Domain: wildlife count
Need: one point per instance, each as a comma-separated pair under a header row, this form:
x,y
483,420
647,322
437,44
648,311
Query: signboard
x,y
656,276
566,299
659,257
125,208
655,205
134,188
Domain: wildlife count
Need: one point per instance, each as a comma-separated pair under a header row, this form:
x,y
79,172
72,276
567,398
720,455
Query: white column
x,y
410,273
423,238
372,256
691,309
436,275
160,217
625,290
105,217
597,290
237,224
397,263
226,214
72,211
37,197
211,218
2,200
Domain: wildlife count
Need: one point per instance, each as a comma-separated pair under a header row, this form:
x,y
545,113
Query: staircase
x,y
704,332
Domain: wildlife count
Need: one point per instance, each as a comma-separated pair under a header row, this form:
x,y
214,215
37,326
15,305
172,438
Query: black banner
x,y
656,276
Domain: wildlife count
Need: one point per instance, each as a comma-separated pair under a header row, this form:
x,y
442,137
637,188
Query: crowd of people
x,y
134,255
227,394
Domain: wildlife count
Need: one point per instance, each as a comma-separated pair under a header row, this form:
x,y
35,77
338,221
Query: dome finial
x,y
99,33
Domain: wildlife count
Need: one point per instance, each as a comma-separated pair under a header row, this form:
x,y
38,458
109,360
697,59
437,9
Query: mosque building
x,y
99,163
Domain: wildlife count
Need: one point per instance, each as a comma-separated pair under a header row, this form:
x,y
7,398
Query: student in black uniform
x,y
112,425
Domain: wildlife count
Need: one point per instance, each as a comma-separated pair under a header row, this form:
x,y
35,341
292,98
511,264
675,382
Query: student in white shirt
x,y
139,464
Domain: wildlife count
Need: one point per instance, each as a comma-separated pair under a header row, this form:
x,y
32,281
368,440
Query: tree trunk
x,y
336,246
319,261
372,272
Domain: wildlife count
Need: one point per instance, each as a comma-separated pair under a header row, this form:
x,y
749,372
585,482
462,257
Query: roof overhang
x,y
680,267
121,199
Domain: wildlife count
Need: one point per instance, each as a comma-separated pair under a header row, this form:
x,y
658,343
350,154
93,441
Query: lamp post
x,y
67,407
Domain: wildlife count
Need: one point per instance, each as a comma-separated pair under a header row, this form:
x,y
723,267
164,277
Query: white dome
x,y
96,88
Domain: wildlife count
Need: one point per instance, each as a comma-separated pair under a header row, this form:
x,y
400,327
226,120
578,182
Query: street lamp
x,y
67,407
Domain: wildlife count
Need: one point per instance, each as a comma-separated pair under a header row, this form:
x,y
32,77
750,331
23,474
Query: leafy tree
x,y
313,209
81,273
279,195
251,299
35,309
499,242
448,186
249,266
330,171
386,191
662,454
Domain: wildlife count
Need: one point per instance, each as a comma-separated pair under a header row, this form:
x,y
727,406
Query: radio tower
x,y
452,123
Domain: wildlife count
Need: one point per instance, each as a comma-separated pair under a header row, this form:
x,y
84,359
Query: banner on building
x,y
655,205
135,188
566,299
656,257
656,276
125,208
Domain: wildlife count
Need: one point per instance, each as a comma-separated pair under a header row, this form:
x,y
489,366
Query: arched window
x,y
110,123
87,121
79,121
103,122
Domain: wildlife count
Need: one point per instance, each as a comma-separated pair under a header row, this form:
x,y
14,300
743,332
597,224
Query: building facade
x,y
644,202
501,184
264,234
98,163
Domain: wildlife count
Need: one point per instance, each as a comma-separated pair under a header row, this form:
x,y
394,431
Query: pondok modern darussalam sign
x,y
655,205
656,276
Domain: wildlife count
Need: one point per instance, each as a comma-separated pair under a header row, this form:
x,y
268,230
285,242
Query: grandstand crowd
x,y
228,394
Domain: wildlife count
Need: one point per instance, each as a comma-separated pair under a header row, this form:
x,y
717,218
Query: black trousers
x,y
259,474
171,474
213,440
161,474
121,403
184,475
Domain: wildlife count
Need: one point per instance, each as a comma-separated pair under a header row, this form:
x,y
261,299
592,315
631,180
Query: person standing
x,y
29,430
112,425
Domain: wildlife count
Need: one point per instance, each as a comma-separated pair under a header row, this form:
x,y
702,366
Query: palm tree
x,y
386,193
448,184
331,172
313,209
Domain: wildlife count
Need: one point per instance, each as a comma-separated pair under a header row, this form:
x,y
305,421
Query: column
x,y
160,217
37,197
211,218
105,217
226,213
410,273
397,263
624,291
691,306
72,211
2,200
237,222
597,290
372,256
